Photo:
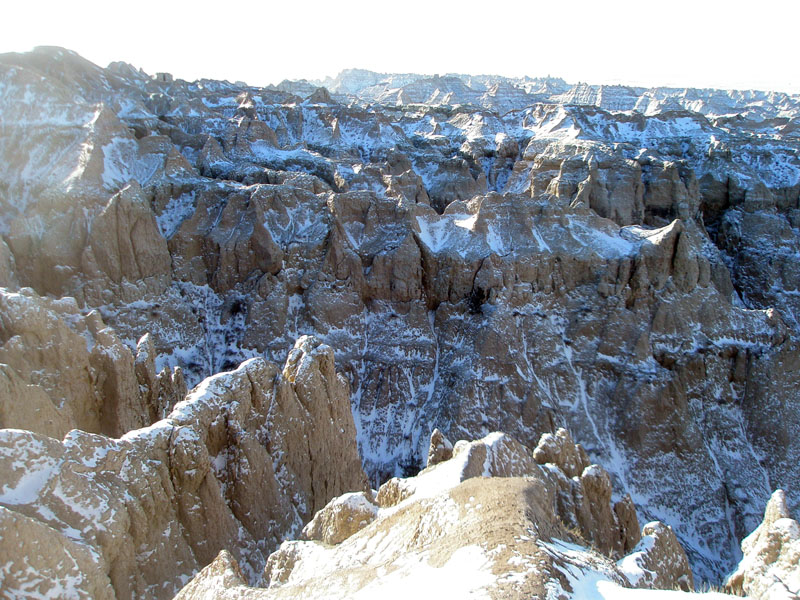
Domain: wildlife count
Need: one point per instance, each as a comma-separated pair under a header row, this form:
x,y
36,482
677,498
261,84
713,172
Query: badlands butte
x,y
242,331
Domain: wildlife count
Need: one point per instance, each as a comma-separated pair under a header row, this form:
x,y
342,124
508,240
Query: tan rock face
x,y
47,562
231,466
440,448
312,414
628,522
70,366
770,567
26,406
125,240
8,277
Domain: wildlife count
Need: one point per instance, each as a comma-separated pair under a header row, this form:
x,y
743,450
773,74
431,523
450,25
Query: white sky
x,y
699,43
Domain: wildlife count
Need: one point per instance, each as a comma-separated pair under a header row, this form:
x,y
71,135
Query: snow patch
x,y
175,212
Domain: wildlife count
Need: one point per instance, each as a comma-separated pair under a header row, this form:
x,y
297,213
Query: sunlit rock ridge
x,y
468,253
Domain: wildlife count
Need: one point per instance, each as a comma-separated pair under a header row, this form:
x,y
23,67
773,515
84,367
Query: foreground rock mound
x,y
770,568
489,521
243,462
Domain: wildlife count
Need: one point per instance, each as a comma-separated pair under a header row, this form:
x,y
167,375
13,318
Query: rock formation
x,y
770,567
440,448
480,253
341,518
243,462
64,369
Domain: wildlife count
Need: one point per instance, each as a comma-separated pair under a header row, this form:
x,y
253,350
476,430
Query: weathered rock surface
x,y
490,520
341,518
481,253
241,463
770,567
658,560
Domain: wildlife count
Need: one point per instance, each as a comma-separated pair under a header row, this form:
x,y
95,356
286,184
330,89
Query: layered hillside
x,y
481,254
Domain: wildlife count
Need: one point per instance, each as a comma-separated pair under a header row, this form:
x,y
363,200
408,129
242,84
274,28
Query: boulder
x,y
440,448
658,560
341,517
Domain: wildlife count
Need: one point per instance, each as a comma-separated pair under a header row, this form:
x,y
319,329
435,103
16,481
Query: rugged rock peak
x,y
770,567
440,448
311,425
320,96
658,560
241,463
487,521
560,450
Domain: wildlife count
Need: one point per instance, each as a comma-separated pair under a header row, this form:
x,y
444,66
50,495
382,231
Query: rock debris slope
x,y
481,254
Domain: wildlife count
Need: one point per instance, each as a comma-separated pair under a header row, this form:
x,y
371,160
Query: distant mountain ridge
x,y
508,93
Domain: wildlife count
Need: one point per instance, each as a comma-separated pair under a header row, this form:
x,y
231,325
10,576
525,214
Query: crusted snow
x,y
466,574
